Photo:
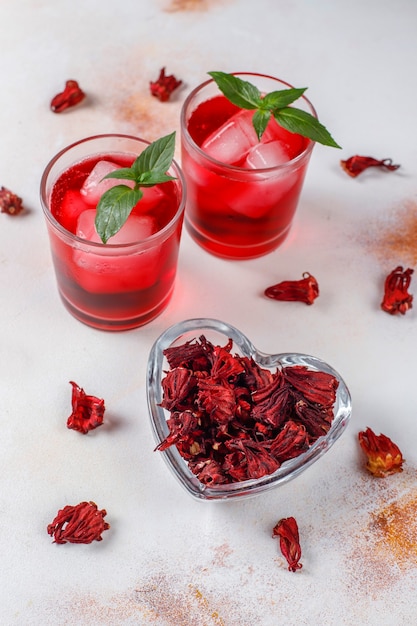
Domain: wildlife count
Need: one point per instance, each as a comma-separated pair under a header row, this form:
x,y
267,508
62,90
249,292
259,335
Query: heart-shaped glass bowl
x,y
218,333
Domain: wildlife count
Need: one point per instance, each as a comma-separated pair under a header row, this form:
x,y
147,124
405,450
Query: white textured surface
x,y
167,559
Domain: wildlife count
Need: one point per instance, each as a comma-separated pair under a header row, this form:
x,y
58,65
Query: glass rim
x,y
97,244
234,168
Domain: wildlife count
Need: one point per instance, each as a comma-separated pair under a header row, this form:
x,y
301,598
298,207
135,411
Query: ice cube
x,y
264,194
94,186
231,142
151,198
106,270
266,155
294,144
136,228
72,206
274,132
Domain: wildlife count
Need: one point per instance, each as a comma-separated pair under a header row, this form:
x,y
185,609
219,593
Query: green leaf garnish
x,y
261,118
238,91
148,170
246,96
301,122
114,208
281,99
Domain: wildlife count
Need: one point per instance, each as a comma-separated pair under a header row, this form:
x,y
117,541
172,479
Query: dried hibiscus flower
x,y
384,456
232,420
304,290
82,523
71,96
10,203
287,531
164,86
396,297
358,164
87,411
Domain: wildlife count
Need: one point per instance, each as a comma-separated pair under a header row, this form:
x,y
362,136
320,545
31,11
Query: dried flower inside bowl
x,y
232,421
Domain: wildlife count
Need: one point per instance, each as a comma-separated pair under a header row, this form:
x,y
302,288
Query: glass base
x,y
228,251
115,324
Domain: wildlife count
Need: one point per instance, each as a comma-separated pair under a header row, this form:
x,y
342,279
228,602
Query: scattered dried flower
x,y
87,411
71,96
304,290
232,420
164,86
10,203
357,164
82,523
287,531
396,297
384,456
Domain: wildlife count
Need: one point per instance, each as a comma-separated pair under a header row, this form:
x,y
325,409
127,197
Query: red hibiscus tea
x,y
128,281
241,193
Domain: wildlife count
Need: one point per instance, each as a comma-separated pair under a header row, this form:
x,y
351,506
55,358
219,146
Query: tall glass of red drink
x,y
128,281
241,193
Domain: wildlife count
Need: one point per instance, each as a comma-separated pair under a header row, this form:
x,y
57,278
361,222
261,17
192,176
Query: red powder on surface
x,y
395,239
384,550
186,5
160,599
394,528
145,117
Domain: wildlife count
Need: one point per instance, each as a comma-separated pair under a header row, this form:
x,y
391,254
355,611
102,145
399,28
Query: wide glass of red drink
x,y
129,280
242,193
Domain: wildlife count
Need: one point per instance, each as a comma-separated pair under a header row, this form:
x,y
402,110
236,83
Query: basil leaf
x,y
240,92
301,122
149,179
125,173
114,208
260,121
281,99
157,156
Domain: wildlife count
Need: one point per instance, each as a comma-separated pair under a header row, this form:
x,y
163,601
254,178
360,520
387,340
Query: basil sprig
x,y
247,96
149,169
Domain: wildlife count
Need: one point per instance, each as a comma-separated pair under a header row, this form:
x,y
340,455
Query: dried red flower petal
x,y
209,472
396,297
192,355
315,386
273,404
256,377
224,365
164,86
255,460
357,164
232,420
10,203
290,442
178,386
316,419
184,430
71,96
217,400
304,290
87,411
384,456
82,523
287,531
